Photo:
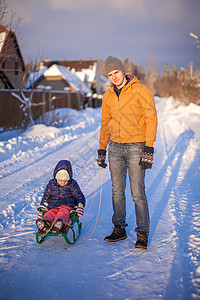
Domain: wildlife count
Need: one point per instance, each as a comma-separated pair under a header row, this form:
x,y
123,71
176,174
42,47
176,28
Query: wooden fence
x,y
13,114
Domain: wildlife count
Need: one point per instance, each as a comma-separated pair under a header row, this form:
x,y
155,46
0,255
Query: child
x,y
62,193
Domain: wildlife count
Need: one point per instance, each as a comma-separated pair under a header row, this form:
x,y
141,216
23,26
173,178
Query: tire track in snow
x,y
185,211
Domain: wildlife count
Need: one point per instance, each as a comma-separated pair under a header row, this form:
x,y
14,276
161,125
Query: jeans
x,y
123,157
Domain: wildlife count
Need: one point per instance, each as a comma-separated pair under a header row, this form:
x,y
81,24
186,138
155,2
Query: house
x,y
12,68
57,77
87,70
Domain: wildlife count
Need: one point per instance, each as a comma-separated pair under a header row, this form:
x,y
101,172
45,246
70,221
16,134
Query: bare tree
x,y
3,10
173,71
8,18
27,104
166,70
9,48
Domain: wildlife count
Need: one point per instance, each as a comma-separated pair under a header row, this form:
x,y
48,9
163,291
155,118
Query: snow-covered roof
x,y
5,33
2,40
57,70
33,77
84,69
89,73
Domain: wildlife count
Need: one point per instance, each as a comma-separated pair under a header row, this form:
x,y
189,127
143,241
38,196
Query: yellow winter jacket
x,y
131,118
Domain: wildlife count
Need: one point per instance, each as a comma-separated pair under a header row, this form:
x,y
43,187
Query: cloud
x,y
167,10
89,4
74,29
25,9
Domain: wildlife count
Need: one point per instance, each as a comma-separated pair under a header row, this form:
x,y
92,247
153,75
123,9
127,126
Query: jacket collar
x,y
131,80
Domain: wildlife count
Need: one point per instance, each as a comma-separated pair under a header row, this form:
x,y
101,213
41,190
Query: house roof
x,y
57,70
3,36
78,65
34,77
2,40
5,33
85,69
5,80
71,78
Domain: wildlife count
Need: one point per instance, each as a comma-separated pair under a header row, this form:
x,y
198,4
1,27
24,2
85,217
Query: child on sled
x,y
62,193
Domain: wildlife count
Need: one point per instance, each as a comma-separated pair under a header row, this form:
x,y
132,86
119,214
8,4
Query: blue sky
x,y
144,30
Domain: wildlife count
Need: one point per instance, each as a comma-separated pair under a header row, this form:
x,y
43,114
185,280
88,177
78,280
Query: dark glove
x,y
146,160
43,207
101,158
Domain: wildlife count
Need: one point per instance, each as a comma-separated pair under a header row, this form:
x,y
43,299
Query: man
x,y
129,124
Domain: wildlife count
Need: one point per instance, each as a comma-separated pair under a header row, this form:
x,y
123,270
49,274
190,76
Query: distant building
x,y
57,77
87,70
12,68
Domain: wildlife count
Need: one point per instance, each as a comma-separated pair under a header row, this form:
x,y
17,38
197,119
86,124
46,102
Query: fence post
x,y
69,100
94,100
43,101
99,104
50,101
78,101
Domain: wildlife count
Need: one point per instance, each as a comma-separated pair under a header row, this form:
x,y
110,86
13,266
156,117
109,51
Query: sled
x,y
74,227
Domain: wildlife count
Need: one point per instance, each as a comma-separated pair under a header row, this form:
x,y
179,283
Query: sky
x,y
148,32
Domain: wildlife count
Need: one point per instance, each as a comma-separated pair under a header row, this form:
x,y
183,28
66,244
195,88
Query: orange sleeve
x,y
104,132
150,115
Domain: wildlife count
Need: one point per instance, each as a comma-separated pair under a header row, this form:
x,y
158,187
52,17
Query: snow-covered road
x,y
94,269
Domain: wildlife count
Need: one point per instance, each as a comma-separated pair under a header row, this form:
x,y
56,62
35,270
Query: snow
x,y
34,76
72,79
92,268
57,70
2,40
89,73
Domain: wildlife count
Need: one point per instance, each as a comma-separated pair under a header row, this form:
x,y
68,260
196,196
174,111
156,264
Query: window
x,y
3,64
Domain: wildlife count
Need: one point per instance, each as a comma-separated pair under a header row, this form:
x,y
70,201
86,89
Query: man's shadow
x,y
178,150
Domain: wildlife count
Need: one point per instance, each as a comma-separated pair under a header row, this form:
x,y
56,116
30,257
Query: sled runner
x,y
74,227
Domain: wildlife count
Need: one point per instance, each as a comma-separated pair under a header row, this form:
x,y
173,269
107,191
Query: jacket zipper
x,y
58,195
120,117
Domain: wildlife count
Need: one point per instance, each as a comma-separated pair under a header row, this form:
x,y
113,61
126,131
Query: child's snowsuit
x,y
61,199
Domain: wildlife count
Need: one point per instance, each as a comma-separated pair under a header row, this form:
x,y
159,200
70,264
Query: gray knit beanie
x,y
113,63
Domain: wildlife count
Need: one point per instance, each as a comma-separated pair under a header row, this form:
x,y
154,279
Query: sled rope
x,y
100,177
49,230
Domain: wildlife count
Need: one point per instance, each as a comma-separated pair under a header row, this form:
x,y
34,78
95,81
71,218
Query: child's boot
x,y
58,225
42,225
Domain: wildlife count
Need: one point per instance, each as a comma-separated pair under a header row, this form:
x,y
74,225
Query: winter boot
x,y
118,234
142,239
58,226
42,225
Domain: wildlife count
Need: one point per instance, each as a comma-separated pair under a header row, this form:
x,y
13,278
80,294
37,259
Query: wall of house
x,y
2,85
12,65
56,84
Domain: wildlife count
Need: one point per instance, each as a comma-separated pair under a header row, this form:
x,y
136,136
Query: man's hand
x,y
101,158
146,160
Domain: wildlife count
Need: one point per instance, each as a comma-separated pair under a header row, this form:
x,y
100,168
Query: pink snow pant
x,y
62,212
